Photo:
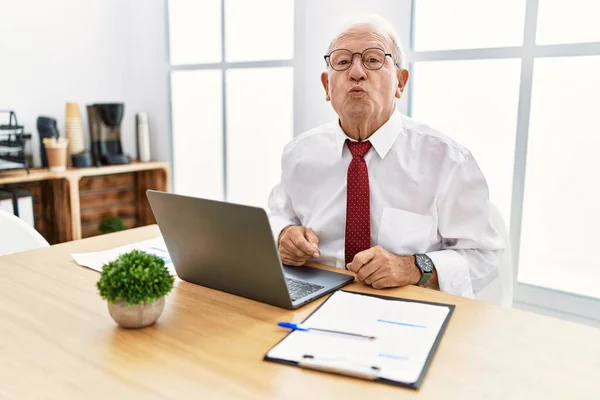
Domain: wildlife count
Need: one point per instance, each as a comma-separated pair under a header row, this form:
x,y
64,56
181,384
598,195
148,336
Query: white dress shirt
x,y
428,195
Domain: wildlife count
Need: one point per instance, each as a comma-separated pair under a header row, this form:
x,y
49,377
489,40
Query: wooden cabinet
x,y
71,205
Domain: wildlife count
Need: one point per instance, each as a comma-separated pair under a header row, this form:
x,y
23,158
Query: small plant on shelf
x,y
135,285
111,224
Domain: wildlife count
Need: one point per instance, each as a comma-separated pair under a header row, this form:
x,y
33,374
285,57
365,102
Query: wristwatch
x,y
426,266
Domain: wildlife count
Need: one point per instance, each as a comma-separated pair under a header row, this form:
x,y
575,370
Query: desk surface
x,y
57,340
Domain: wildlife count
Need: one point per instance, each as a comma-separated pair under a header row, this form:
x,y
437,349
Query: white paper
x,y
405,333
97,259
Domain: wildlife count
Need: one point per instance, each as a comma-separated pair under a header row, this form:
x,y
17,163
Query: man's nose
x,y
357,69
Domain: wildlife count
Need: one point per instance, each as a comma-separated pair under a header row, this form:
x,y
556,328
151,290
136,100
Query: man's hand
x,y
379,268
297,244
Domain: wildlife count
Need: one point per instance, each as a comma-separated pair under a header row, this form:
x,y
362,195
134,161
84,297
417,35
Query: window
x,y
573,21
231,96
561,200
485,90
196,103
195,31
516,82
254,148
259,30
467,24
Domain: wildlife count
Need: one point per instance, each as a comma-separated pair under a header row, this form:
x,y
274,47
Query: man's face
x,y
358,92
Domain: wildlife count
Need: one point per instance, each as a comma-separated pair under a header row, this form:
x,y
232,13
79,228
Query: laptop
x,y
231,248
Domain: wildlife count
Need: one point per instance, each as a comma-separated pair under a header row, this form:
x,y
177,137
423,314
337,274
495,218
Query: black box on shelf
x,y
12,142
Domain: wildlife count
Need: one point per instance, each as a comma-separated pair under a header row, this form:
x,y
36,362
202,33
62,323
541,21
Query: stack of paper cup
x,y
74,130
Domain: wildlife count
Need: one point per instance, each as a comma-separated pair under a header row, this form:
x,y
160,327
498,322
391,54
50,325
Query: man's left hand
x,y
380,269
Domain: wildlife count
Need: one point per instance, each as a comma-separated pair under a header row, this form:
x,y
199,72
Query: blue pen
x,y
299,327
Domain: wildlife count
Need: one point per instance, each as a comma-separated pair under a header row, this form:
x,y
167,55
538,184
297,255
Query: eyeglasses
x,y
342,59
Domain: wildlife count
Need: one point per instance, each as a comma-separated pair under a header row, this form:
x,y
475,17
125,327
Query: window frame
x,y
525,295
224,66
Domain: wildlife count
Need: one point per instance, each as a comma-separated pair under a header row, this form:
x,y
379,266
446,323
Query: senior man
x,y
377,192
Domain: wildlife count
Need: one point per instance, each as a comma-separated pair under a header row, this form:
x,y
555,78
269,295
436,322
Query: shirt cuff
x,y
277,224
453,272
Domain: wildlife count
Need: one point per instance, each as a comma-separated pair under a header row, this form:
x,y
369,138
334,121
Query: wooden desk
x,y
58,341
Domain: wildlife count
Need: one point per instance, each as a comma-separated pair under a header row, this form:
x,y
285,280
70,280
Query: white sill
x,y
568,306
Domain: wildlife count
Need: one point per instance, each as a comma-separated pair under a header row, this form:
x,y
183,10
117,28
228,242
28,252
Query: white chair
x,y
500,290
16,235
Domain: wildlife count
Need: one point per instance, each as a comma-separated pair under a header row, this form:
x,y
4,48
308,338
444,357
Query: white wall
x,y
88,51
317,22
148,68
92,51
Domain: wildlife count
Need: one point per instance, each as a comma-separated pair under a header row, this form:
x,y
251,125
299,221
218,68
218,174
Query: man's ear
x,y
402,81
325,82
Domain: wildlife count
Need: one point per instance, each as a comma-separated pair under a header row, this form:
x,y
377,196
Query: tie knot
x,y
358,149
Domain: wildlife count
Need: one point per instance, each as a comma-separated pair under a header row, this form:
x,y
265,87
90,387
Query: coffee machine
x,y
105,132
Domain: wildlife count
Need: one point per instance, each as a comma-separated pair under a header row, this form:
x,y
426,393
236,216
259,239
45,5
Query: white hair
x,y
379,24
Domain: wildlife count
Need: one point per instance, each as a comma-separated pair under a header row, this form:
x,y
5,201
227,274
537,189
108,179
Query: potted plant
x,y
135,286
111,224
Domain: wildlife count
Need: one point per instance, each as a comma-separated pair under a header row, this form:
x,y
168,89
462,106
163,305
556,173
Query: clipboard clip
x,y
340,366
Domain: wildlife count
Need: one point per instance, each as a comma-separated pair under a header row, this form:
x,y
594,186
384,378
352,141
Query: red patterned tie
x,y
358,213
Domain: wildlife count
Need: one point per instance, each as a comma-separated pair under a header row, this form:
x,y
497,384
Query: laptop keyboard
x,y
299,289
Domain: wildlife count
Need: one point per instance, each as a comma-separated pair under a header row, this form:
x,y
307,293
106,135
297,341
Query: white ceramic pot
x,y
138,315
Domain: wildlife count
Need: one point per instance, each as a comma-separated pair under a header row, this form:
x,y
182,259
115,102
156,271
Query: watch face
x,y
424,262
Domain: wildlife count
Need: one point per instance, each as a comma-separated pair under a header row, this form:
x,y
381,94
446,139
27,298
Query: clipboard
x,y
365,370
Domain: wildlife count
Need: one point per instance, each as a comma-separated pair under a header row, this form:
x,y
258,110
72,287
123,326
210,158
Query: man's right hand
x,y
297,244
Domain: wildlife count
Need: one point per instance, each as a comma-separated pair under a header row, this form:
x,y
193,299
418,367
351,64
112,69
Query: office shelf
x,y
70,205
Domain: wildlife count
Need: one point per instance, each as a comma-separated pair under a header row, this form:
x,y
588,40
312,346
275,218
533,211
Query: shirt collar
x,y
382,139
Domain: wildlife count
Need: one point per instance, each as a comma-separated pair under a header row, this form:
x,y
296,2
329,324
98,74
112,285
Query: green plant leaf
x,y
135,277
111,224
